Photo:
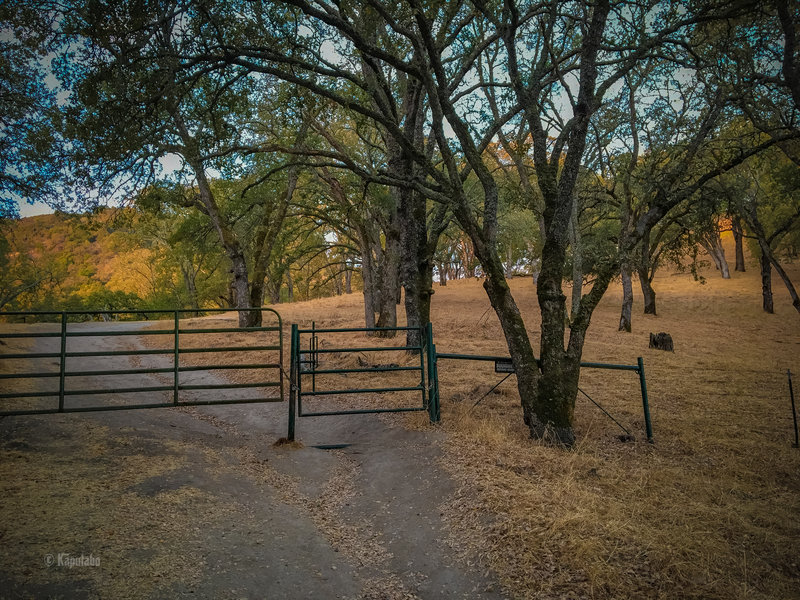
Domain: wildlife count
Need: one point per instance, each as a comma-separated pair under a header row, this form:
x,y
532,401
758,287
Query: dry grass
x,y
710,511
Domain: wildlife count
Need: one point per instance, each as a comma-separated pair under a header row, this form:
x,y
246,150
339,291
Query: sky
x,y
170,164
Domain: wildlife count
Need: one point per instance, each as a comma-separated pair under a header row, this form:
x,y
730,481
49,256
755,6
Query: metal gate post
x,y
176,362
433,383
294,356
62,363
645,404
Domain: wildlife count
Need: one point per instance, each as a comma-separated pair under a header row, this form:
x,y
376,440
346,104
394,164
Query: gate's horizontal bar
x,y
228,329
228,386
358,330
42,334
28,375
227,349
610,366
237,401
6,395
471,357
218,367
148,311
141,371
364,391
373,349
80,409
118,353
119,333
120,372
133,390
588,365
364,370
365,411
77,409
35,355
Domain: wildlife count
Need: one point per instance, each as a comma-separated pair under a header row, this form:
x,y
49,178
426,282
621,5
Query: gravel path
x,y
198,502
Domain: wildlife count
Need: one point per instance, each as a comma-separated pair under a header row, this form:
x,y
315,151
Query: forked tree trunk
x,y
738,238
627,300
713,247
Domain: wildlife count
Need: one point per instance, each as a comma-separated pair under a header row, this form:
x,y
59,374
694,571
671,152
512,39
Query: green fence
x,y
306,374
503,364
56,356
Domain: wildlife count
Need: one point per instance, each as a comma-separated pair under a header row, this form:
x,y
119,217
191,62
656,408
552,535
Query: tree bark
x,y
577,257
348,280
766,283
627,300
368,283
784,277
738,238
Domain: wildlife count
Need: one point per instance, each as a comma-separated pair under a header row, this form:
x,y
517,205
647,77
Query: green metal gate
x,y
305,373
174,384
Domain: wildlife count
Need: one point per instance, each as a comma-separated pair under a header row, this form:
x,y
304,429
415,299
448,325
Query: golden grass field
x,y
711,510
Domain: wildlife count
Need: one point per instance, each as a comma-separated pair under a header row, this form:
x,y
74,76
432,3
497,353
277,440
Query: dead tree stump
x,y
661,341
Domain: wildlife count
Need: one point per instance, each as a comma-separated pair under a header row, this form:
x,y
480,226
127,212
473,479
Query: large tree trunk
x,y
390,284
627,300
766,283
417,266
558,384
368,284
738,237
648,293
643,270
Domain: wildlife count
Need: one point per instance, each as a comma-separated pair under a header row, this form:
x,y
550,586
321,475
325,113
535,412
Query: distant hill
x,y
75,256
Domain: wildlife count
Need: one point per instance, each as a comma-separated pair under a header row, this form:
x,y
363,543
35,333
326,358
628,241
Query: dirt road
x,y
197,502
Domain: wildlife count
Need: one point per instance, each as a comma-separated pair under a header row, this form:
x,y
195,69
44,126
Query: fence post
x,y
433,396
645,404
312,356
438,412
176,363
794,411
293,375
62,363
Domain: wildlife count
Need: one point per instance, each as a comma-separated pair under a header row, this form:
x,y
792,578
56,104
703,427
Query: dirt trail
x,y
197,502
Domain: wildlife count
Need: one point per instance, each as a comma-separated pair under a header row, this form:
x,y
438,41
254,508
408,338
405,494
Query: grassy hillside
x,y
80,254
710,511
